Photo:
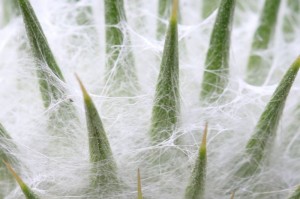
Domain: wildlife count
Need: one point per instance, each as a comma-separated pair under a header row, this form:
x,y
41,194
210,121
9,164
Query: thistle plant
x,y
196,187
99,147
134,125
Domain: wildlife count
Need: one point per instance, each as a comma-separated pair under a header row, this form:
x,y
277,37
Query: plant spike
x,y
99,146
9,11
50,76
29,194
215,76
296,194
208,6
258,65
6,146
139,186
196,186
121,77
166,106
63,117
291,19
232,195
266,128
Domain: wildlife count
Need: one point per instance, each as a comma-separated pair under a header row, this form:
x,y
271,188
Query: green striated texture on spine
x,y
9,11
196,186
215,76
291,20
6,147
29,194
265,130
296,194
121,74
208,6
258,66
63,117
166,106
49,83
99,147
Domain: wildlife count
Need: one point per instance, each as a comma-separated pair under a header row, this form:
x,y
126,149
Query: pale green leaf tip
x,y
232,195
139,185
174,14
12,171
27,192
204,137
83,89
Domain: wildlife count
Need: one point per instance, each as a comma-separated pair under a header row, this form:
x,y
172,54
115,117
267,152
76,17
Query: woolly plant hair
x,y
170,102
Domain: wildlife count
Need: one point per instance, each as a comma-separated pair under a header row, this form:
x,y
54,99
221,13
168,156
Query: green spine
x,y
215,77
196,186
99,147
258,66
166,106
265,130
120,72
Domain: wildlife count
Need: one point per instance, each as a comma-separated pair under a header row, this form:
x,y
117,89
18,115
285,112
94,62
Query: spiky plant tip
x,y
196,186
139,185
265,131
104,169
83,89
174,14
166,108
29,194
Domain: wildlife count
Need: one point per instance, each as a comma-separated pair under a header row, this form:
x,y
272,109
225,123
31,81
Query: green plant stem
x,y
215,76
121,77
258,64
166,106
265,130
196,186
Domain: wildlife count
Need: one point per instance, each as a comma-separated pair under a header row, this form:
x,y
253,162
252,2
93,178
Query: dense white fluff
x,y
81,49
